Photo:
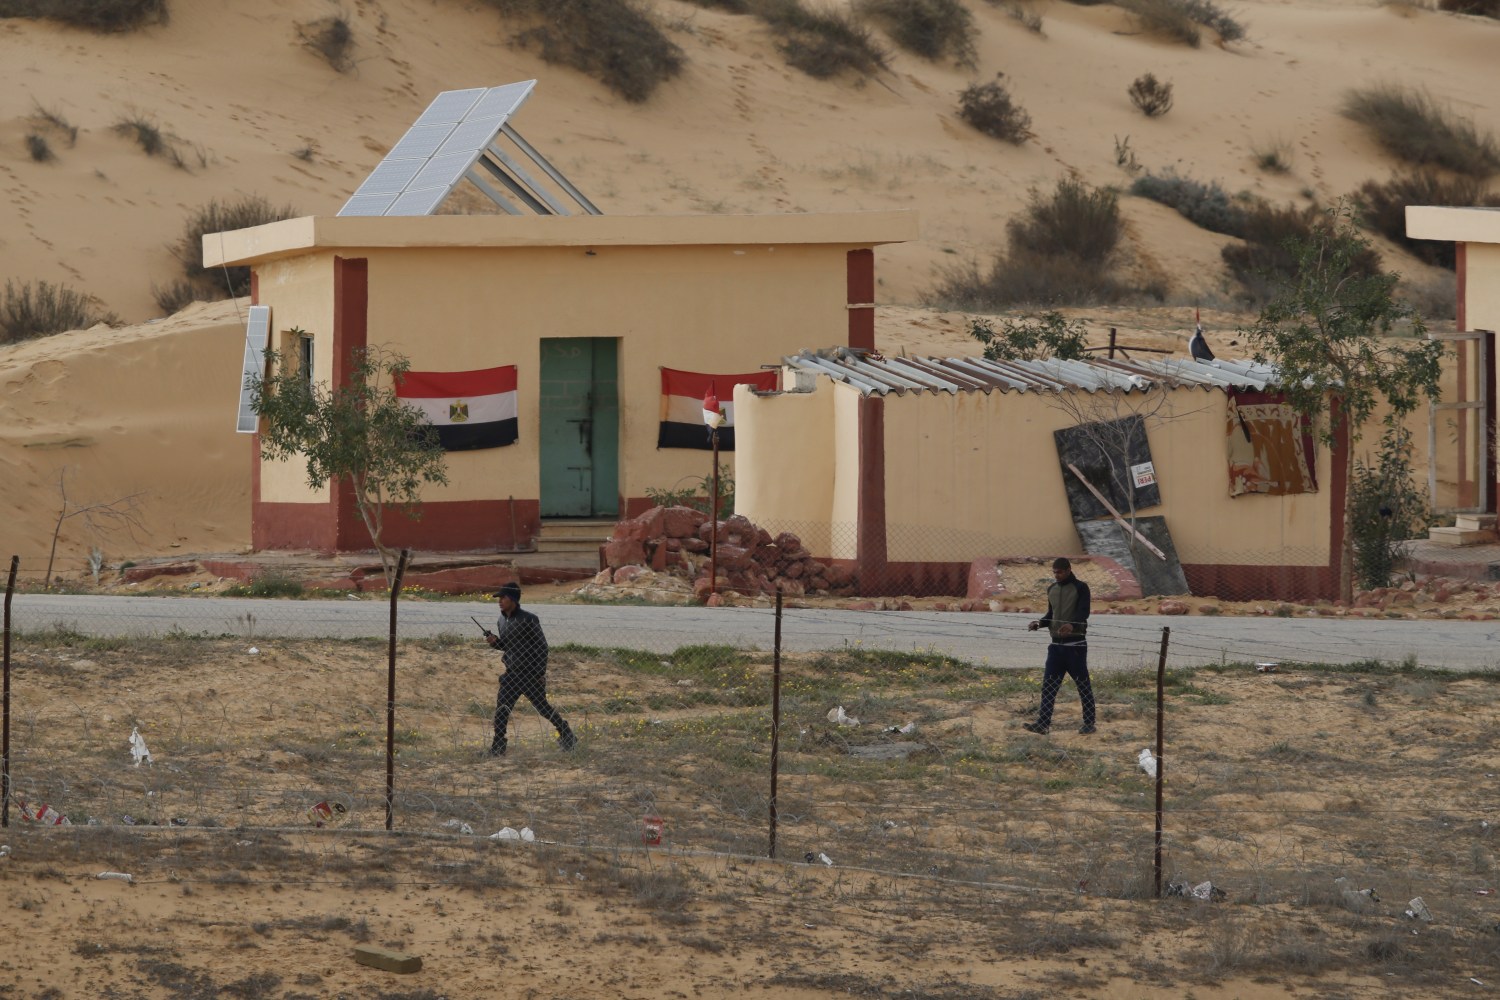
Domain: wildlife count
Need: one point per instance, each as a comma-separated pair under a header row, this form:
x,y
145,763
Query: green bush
x,y
223,217
1408,124
1382,208
989,108
28,311
1032,338
617,42
94,15
1386,509
822,44
930,28
697,493
1207,206
268,583
1021,278
1075,220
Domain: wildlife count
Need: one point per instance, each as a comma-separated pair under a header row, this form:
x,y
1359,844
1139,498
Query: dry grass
x,y
1413,127
38,309
980,820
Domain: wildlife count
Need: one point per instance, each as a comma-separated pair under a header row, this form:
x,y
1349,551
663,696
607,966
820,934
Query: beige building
x,y
1462,430
588,309
936,462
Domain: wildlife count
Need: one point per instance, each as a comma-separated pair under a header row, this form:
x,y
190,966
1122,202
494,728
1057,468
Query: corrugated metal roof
x,y
874,373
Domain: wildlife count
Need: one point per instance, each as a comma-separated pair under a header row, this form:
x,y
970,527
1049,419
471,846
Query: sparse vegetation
x,y
30,310
932,29
104,16
221,217
1263,259
731,6
1386,509
173,298
268,582
1031,338
1478,8
1062,251
1180,20
990,108
617,42
38,147
48,120
1151,97
144,132
1410,125
1207,206
331,38
1029,18
1383,208
822,44
1274,156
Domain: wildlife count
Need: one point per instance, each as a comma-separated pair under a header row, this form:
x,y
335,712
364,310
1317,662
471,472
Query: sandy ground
x,y
988,864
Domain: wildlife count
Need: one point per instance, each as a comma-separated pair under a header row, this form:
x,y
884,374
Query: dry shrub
x,y
332,38
1478,8
1150,95
93,15
990,108
1062,252
1383,208
1262,262
730,6
930,28
172,299
822,44
1207,206
1166,18
221,217
39,309
144,132
38,147
1408,124
617,42
47,120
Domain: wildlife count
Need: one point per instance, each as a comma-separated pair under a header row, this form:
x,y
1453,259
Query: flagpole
x,y
713,537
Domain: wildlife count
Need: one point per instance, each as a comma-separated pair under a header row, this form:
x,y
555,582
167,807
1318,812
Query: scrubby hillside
x,y
109,142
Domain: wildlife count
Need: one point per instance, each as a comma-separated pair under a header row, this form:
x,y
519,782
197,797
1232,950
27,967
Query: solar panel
x,y
257,335
454,139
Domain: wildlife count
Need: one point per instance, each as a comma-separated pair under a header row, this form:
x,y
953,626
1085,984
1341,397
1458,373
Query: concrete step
x,y
1457,537
568,544
1475,522
593,529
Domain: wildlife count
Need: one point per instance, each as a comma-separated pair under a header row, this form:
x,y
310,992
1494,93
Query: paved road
x,y
1000,640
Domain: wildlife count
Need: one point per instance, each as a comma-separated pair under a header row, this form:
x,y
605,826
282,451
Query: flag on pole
x,y
713,416
685,404
471,410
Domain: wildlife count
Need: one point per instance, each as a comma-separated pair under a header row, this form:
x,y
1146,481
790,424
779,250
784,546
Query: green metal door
x,y
580,427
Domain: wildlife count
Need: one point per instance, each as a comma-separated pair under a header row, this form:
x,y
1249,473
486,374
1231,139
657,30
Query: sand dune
x,y
739,131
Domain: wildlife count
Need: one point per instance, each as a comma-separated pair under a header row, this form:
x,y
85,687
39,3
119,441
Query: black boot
x,y
565,737
497,748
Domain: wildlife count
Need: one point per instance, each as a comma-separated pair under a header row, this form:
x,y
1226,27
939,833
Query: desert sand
x,y
238,94
144,410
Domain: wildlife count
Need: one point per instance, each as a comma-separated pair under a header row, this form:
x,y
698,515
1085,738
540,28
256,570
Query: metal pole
x,y
390,697
713,536
10,588
1111,343
1161,685
775,721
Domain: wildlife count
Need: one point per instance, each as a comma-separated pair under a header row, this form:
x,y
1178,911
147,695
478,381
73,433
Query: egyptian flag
x,y
685,401
470,410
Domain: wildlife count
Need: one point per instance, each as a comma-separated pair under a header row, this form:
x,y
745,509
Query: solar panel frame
x,y
257,336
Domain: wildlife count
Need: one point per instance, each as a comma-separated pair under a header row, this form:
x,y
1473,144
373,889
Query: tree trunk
x,y
1346,554
370,512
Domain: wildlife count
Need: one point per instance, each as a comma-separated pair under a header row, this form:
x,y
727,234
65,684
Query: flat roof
x,y
311,234
1461,225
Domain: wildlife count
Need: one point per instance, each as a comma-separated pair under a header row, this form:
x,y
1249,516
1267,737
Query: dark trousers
x,y
534,686
1066,661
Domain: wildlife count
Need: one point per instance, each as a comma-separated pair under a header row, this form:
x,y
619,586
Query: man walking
x,y
525,648
1068,655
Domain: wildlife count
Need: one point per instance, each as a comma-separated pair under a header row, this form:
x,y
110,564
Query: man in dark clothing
x,y
1068,655
525,648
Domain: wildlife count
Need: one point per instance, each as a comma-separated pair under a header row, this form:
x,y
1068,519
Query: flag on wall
x,y
470,410
684,396
1270,446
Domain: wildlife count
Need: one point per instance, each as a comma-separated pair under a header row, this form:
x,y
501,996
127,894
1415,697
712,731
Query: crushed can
x,y
651,830
326,813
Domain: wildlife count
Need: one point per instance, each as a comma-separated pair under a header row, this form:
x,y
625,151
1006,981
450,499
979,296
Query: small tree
x,y
359,432
1388,509
1327,331
1032,338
